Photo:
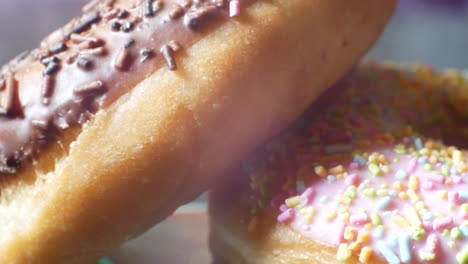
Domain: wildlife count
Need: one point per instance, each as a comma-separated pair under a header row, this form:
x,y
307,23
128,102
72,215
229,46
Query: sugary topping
x,y
91,62
365,169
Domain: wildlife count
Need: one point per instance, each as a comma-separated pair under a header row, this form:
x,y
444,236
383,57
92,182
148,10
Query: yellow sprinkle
x,y
398,186
374,169
363,237
321,171
400,221
374,157
337,170
423,211
442,194
413,216
424,151
382,192
457,156
309,214
433,159
403,195
349,233
386,169
342,210
355,246
343,253
365,255
331,215
344,200
345,217
293,201
413,183
413,196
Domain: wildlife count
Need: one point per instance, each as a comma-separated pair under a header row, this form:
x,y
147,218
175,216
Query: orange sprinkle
x,y
442,195
337,170
398,186
365,255
321,171
413,183
400,221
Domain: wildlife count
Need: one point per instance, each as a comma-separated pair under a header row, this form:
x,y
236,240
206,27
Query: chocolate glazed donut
x,y
132,109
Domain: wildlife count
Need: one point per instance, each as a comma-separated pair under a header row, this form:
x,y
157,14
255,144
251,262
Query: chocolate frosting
x,y
88,64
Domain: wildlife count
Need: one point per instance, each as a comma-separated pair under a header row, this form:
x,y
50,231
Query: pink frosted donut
x,y
366,175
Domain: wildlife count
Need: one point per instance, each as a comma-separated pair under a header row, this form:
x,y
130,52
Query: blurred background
x,y
434,32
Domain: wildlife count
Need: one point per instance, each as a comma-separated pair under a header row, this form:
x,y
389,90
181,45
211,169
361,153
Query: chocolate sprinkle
x,y
176,12
167,52
58,48
86,42
115,25
41,124
145,53
194,18
92,87
122,60
186,3
97,51
123,14
8,95
148,9
51,68
85,24
127,26
47,88
129,43
174,45
83,63
2,84
219,3
48,60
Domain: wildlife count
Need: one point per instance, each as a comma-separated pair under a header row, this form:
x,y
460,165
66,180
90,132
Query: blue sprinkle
x,y
386,214
442,160
392,193
387,253
428,216
422,160
378,232
339,148
401,174
418,143
453,171
405,248
383,203
464,230
393,241
463,195
359,159
331,178
323,199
